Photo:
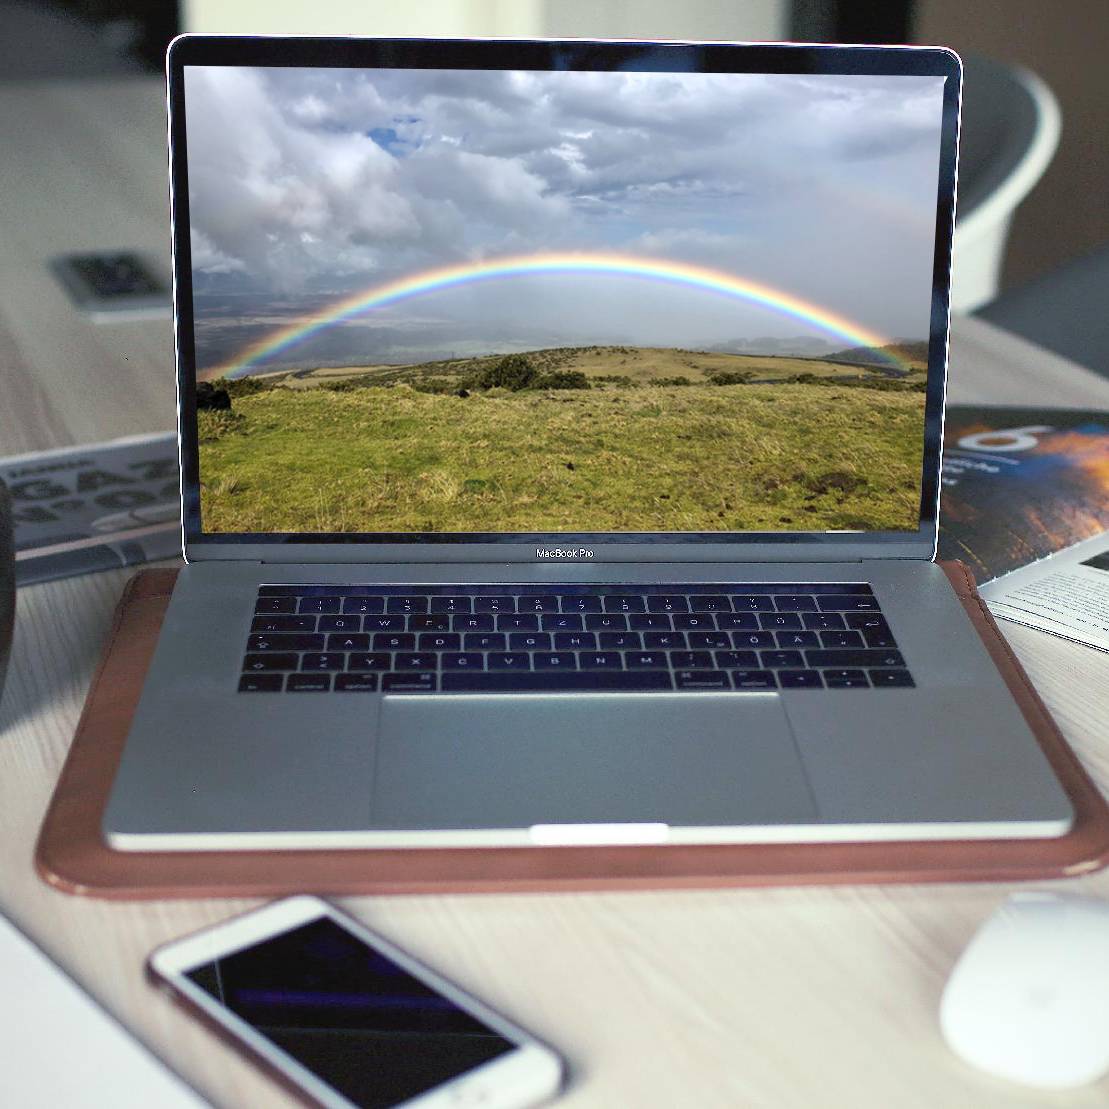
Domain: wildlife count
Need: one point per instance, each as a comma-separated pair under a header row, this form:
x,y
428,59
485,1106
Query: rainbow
x,y
608,264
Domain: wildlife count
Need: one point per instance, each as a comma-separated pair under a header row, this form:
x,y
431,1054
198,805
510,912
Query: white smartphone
x,y
345,1019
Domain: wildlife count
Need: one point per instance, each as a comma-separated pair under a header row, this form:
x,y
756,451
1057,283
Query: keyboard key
x,y
340,623
667,603
575,641
562,622
363,605
600,660
891,679
649,622
845,679
708,602
667,640
554,660
628,641
468,660
261,683
323,660
451,605
438,623
319,604
746,640
776,620
538,604
879,639
580,604
709,639
555,681
841,639
863,620
424,660
623,602
737,660
606,622
285,642
383,624
269,660
308,683
752,603
355,683
701,679
862,657
484,641
645,660
275,604
495,604
402,641
509,660
445,641
820,620
754,679
517,622
843,602
379,661
407,605
691,660
283,624
800,679
693,621
787,640
408,683
737,621
795,602
337,641
529,641
476,623
778,660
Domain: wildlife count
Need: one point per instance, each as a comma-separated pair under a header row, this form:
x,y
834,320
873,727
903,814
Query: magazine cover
x,y
1021,483
94,507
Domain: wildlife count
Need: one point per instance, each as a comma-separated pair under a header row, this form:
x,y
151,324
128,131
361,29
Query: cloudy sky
x,y
308,184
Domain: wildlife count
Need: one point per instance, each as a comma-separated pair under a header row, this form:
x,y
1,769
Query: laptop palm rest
x,y
516,760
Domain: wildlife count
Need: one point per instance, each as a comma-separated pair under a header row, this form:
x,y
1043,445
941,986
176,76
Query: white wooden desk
x,y
779,998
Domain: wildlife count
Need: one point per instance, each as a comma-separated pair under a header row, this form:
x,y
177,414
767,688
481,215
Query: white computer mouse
x,y
1029,998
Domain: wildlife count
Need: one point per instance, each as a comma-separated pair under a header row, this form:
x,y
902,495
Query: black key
x,y
701,679
308,683
319,604
477,623
424,660
708,602
286,642
538,604
667,603
841,639
600,660
744,640
863,620
737,621
283,624
668,640
495,604
821,620
777,660
879,639
752,603
355,683
709,639
693,621
891,679
795,602
484,641
562,622
793,640
800,679
451,605
649,622
776,620
469,660
554,681
554,660
623,602
275,604
438,623
340,623
627,641
412,605
529,641
737,660
845,679
408,683
691,660
364,605
862,657
517,622
383,624
323,660
581,604
401,641
754,679
368,662
575,641
269,661
645,660
844,602
509,660
337,641
445,641
261,683
606,622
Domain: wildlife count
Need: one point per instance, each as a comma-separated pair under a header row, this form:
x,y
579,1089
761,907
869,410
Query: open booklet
x,y
1025,504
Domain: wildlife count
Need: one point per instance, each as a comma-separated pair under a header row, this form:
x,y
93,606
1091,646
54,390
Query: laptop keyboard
x,y
552,638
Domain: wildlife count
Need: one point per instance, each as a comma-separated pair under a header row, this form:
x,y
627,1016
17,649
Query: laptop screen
x,y
438,302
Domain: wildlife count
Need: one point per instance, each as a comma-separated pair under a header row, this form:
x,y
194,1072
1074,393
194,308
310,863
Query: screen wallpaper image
x,y
441,301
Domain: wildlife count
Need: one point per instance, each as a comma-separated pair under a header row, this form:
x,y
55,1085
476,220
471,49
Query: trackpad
x,y
510,761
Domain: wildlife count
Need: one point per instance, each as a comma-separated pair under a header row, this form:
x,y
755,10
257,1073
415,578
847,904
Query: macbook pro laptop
x,y
560,430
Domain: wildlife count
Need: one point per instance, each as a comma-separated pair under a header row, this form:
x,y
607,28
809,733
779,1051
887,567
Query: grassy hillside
x,y
628,455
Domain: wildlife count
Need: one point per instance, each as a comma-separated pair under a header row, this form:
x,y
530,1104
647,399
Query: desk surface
x,y
782,998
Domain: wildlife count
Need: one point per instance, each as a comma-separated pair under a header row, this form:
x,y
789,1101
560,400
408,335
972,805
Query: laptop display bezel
x,y
531,54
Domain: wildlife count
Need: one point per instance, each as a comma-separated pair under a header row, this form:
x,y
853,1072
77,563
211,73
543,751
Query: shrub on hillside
x,y
731,377
513,372
561,379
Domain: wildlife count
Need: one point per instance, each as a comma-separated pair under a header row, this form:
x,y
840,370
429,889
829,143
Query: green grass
x,y
649,458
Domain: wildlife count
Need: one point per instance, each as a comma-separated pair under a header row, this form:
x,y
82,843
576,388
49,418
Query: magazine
x,y
96,507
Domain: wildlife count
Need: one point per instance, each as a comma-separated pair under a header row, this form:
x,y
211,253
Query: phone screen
x,y
350,1015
